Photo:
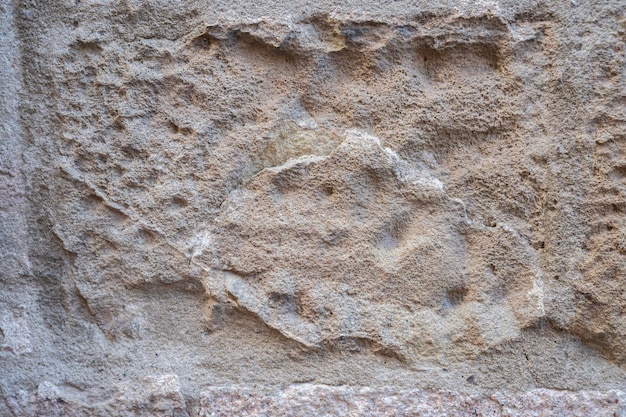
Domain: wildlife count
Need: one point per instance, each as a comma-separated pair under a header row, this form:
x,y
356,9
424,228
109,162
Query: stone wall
x,y
312,208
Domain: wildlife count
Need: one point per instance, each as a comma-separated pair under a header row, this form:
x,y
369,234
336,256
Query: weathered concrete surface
x,y
417,196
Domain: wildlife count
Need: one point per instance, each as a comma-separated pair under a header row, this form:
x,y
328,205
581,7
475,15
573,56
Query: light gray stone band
x,y
161,396
318,400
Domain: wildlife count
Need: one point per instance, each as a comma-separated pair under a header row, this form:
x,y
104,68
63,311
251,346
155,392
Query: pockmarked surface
x,y
426,197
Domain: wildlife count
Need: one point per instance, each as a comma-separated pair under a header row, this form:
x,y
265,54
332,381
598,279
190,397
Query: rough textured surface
x,y
151,396
419,196
316,400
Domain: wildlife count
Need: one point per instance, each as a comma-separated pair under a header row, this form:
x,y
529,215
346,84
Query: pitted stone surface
x,y
361,246
401,195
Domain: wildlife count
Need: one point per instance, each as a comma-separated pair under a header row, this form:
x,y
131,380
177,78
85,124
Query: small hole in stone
x,y
205,42
179,201
174,127
539,245
455,297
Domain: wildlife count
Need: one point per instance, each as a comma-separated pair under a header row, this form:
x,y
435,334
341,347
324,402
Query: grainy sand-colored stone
x,y
423,196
